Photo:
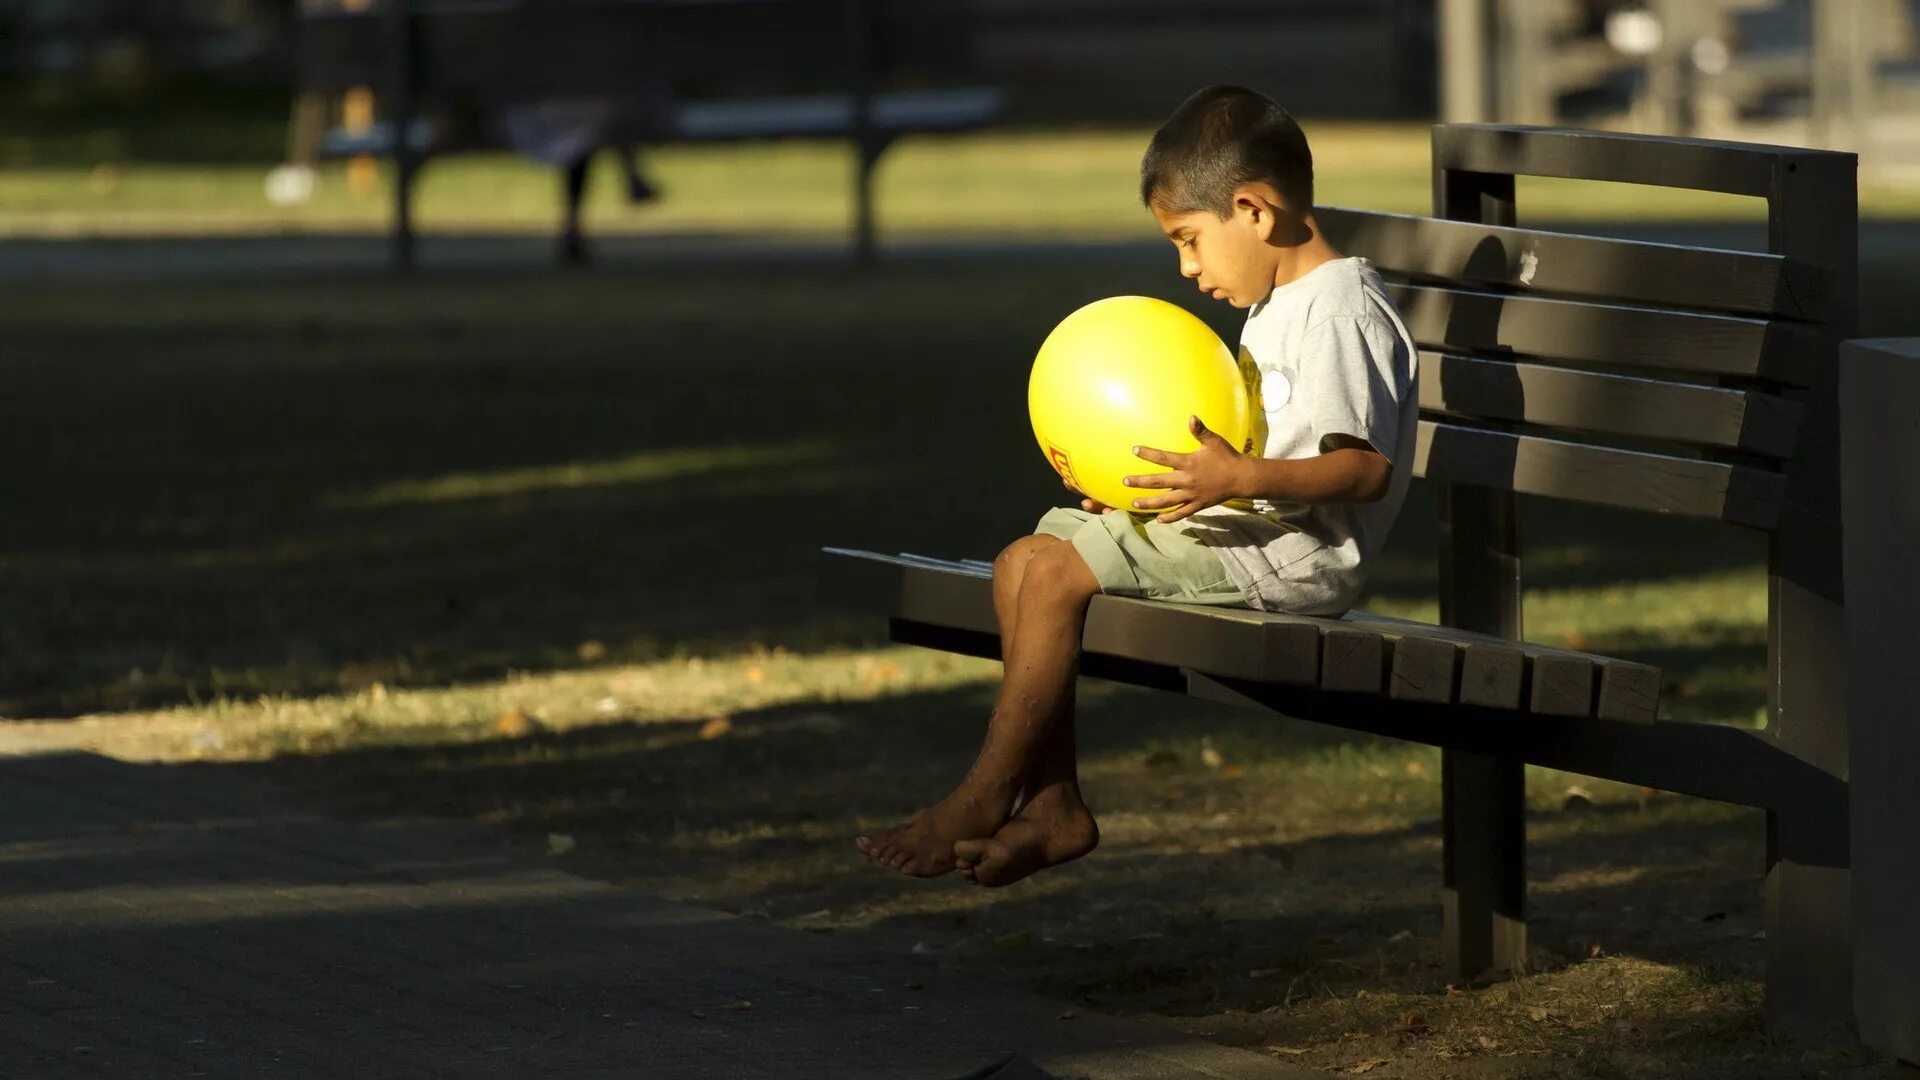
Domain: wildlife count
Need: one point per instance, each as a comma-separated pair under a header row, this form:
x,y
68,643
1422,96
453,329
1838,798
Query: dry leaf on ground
x,y
516,724
1209,755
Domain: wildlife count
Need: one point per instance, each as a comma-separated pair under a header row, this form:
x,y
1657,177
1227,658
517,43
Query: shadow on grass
x,y
302,487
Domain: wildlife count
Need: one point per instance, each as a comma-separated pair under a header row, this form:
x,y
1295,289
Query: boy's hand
x,y
1091,506
1207,477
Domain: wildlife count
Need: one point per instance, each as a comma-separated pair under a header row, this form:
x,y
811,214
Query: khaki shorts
x,y
1138,556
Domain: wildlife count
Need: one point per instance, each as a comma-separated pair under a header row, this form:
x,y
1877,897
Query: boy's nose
x,y
1189,268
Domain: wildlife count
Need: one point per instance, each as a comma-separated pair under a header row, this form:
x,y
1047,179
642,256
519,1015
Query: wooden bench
x,y
1654,377
808,69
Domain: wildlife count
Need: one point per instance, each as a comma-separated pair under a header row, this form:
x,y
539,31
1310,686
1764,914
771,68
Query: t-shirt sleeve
x,y
1358,382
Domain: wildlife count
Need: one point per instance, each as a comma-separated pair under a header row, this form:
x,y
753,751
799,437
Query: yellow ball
x,y
1127,371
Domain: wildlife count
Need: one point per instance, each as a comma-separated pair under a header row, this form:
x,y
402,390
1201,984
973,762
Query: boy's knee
x,y
1012,561
1058,573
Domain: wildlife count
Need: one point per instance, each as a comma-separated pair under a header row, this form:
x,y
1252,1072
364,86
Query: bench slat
x,y
833,114
1562,686
1493,670
1533,465
1423,669
1631,271
1492,676
1559,397
1698,164
1352,660
1585,332
1628,692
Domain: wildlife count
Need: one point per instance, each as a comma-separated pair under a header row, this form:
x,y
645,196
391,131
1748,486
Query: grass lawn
x,y
537,549
1034,185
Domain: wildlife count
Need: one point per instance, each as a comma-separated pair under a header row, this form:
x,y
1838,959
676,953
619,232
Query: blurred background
x,y
527,533
171,116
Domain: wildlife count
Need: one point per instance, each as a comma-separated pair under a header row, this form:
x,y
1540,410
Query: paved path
x,y
181,921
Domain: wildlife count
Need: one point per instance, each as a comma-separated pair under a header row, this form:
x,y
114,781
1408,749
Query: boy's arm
x,y
1352,471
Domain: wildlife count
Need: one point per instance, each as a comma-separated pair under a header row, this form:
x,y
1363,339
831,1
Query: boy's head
x,y
1229,178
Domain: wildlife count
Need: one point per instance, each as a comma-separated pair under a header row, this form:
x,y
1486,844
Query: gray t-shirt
x,y
1333,358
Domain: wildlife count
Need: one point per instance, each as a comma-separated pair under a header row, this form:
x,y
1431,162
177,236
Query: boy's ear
x,y
1263,206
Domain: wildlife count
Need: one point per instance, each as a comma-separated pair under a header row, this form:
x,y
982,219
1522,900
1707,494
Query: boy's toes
x,y
968,852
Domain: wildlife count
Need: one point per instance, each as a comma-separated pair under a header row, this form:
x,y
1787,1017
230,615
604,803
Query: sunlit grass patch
x,y
1028,184
651,467
688,690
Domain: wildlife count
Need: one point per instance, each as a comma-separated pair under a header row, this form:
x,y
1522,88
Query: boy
x,y
1229,179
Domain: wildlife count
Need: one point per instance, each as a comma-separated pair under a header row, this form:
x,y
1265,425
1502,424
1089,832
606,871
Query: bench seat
x,y
1360,653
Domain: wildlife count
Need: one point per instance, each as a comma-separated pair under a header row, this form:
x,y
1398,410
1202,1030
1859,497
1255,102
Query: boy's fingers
x,y
1191,505
1155,480
1158,457
1156,502
1183,511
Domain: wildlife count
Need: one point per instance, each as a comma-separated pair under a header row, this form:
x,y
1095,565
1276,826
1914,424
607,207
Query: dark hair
x,y
1218,139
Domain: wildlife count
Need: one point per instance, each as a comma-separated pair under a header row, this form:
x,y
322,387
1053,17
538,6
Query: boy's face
x,y
1230,258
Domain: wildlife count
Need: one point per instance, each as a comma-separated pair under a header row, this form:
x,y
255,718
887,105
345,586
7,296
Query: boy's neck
x,y
1298,260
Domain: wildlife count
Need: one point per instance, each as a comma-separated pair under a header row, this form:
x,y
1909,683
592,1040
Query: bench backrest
x,y
1657,377
507,48
1653,376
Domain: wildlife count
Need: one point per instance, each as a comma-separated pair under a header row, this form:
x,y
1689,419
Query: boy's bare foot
x,y
923,847
1054,828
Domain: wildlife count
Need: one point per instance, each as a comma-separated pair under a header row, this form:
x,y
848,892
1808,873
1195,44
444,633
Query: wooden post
x,y
1813,214
1524,88
1843,55
1483,797
402,55
1880,474
867,143
305,129
1463,61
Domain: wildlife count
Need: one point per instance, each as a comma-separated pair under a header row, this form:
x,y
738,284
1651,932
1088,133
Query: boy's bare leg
x,y
1041,661
1054,824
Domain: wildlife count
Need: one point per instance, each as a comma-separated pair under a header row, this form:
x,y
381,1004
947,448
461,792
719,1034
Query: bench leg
x,y
865,242
1483,828
406,165
1809,951
403,41
573,190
